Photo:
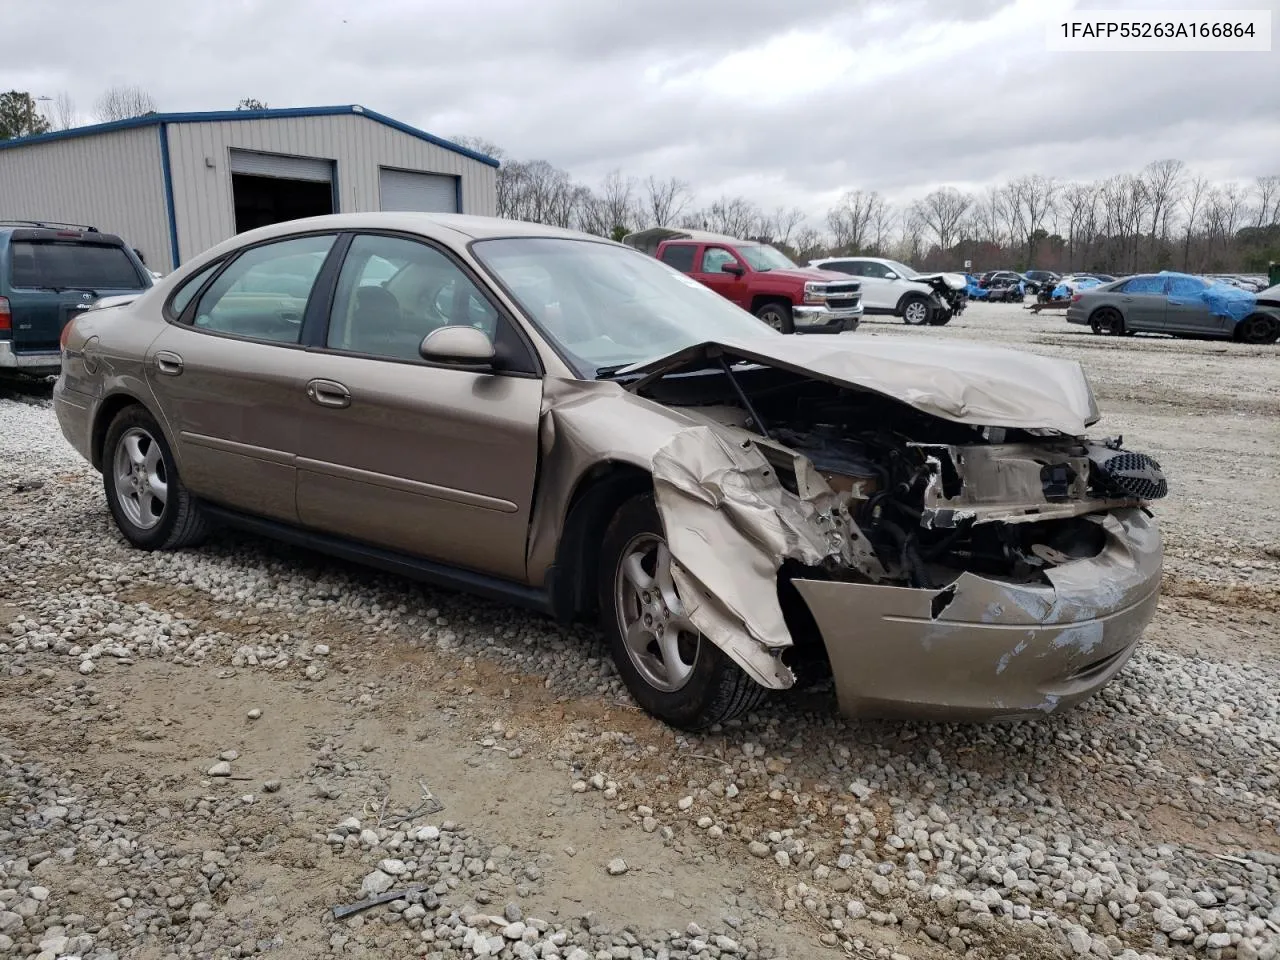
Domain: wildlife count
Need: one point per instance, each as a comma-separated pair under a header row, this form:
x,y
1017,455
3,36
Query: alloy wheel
x,y
141,480
660,639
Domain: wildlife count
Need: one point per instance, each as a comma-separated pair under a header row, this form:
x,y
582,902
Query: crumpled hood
x,y
956,281
965,383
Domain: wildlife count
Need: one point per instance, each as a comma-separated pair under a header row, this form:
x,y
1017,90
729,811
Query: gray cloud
x,y
791,101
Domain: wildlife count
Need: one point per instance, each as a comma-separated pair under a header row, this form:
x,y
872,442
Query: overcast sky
x,y
784,101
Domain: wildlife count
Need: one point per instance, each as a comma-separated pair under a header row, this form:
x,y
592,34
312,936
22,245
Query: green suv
x,y
49,272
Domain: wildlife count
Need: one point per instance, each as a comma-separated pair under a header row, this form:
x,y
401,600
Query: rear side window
x,y
191,288
263,294
1144,285
40,264
679,255
851,267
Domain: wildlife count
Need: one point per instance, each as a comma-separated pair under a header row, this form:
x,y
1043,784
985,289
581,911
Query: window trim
x,y
167,308
321,333
187,319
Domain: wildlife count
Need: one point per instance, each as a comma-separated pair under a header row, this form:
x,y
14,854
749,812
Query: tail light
x,y
1075,297
6,318
66,332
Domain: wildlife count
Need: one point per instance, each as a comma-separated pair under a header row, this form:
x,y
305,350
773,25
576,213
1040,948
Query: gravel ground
x,y
202,753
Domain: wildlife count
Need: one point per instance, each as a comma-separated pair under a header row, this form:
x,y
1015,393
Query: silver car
x,y
1177,304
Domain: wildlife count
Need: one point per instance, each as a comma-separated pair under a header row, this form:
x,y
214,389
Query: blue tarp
x,y
972,290
1222,299
1062,291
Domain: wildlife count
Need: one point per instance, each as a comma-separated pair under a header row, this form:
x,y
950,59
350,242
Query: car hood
x,y
964,383
956,281
810,274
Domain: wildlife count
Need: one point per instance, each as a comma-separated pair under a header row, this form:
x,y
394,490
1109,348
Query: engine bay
x,y
930,498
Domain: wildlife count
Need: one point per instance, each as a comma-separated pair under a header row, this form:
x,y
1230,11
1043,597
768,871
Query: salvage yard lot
x,y
1145,820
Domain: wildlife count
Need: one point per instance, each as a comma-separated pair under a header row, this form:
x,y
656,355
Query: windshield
x,y
901,269
764,257
607,306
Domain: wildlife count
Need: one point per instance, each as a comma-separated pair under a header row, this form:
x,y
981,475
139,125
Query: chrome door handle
x,y
328,393
170,364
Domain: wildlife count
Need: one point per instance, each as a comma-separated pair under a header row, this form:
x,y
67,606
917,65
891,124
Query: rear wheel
x,y
777,315
915,311
671,670
147,498
1258,328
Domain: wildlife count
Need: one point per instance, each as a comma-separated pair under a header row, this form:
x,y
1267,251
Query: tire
x,y
915,310
941,318
1258,328
706,687
1108,319
777,315
147,498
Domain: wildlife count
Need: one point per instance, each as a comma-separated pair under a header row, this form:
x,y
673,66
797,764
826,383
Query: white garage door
x,y
418,192
278,165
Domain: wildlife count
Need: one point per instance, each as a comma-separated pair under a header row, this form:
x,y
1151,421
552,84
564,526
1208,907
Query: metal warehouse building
x,y
172,185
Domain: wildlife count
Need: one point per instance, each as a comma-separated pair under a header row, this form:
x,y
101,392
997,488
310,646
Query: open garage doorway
x,y
270,188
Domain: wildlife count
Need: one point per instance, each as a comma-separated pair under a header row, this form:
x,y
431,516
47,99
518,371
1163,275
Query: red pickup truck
x,y
759,278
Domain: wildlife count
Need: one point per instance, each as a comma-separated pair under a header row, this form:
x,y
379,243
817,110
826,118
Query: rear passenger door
x,y
228,373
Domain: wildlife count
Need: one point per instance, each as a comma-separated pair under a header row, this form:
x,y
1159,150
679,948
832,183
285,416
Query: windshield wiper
x,y
53,289
604,373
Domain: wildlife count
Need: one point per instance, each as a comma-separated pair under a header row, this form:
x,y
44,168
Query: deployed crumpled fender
x,y
719,498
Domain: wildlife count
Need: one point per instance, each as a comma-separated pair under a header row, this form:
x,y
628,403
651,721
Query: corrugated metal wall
x,y
202,193
112,181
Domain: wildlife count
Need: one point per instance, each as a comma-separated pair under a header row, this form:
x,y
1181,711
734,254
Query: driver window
x,y
714,259
263,294
392,292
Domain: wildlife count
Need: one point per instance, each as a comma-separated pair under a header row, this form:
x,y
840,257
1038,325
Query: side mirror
x,y
464,346
733,269
891,275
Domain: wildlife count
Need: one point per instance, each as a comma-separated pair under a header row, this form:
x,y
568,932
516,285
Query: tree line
x,y
21,114
1164,216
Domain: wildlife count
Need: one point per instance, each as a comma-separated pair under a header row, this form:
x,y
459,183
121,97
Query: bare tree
x,y
665,200
911,242
617,199
882,217
809,244
121,103
1268,192
1031,199
784,222
1080,206
1161,182
734,216
1193,201
942,211
850,220
62,114
987,218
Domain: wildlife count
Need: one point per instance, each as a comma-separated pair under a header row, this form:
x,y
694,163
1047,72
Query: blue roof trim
x,y
218,116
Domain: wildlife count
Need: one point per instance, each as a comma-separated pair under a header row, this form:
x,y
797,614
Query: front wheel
x,y
915,311
777,315
147,498
941,318
672,671
1259,328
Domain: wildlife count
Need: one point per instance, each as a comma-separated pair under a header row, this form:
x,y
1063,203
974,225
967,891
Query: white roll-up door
x,y
278,165
417,192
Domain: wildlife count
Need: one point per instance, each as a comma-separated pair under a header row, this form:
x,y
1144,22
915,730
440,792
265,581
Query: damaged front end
x,y
950,570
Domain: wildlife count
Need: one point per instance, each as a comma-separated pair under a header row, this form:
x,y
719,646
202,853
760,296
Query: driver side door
x,y
429,459
711,273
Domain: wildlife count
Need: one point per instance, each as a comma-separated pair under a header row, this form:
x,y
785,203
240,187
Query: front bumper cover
x,y
820,315
982,649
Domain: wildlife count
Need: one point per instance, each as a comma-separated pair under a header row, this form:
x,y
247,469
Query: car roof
x,y
457,227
